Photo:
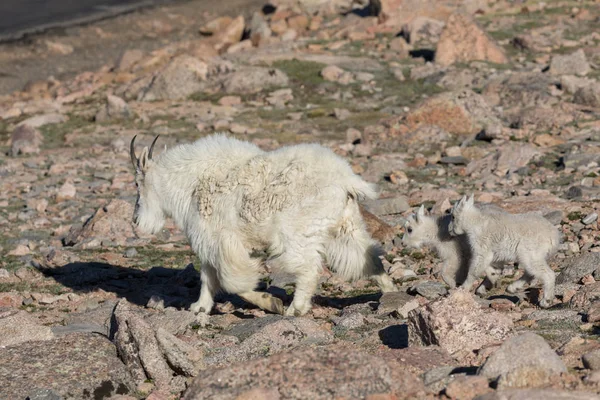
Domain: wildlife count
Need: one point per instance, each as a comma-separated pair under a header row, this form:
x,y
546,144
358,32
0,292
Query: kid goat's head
x,y
460,215
148,214
419,229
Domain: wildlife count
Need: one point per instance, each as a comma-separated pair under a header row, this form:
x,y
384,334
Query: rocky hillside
x,y
429,99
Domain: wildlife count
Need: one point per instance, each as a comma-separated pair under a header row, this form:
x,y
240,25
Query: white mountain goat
x,y
298,205
528,239
454,251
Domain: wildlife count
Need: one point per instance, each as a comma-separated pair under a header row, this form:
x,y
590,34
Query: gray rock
x,y
172,320
45,119
273,338
590,218
454,160
4,274
318,373
591,360
395,302
183,76
351,320
554,217
387,206
18,327
458,324
254,79
537,394
430,289
75,366
25,139
116,109
182,357
577,267
523,360
139,348
575,63
130,252
588,95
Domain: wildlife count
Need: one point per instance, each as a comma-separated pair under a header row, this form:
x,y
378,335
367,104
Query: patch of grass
x,y
149,257
301,72
54,134
575,216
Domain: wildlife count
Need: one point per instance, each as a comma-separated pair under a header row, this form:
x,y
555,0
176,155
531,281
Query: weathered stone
x,y
44,119
387,206
523,360
183,76
430,289
25,139
397,303
588,95
467,387
317,373
577,267
575,63
537,394
422,29
75,366
112,222
273,338
591,360
462,40
458,324
460,112
18,327
116,109
254,79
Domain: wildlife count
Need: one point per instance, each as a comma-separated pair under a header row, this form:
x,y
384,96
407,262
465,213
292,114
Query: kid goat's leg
x,y
480,263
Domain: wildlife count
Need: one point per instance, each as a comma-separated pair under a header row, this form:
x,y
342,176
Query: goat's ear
x,y
421,212
143,160
471,200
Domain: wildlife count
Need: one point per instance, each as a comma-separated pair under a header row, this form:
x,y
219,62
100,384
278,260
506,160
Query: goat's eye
x,y
409,229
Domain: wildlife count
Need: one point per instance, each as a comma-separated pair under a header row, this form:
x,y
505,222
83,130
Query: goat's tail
x,y
350,251
359,189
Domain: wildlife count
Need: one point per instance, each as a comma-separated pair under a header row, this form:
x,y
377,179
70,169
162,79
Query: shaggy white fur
x,y
454,251
298,204
494,238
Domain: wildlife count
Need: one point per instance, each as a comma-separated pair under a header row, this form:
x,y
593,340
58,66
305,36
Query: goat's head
x,y
461,215
148,214
419,228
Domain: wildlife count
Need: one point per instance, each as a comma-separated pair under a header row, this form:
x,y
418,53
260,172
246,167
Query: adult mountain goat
x,y
298,205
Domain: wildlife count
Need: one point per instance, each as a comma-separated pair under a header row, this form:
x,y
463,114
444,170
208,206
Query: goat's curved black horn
x,y
134,159
152,147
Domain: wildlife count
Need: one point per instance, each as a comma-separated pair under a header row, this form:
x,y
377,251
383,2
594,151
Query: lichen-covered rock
x,y
458,324
462,40
311,373
75,366
183,76
523,361
18,327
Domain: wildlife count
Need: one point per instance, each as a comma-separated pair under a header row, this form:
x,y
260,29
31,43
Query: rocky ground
x,y
429,99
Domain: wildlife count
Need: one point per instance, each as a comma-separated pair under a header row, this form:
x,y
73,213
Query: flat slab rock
x,y
76,366
537,394
310,373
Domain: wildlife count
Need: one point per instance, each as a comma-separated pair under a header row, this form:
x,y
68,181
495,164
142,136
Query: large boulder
x,y
75,366
523,361
459,325
183,76
310,373
462,112
18,327
25,139
462,40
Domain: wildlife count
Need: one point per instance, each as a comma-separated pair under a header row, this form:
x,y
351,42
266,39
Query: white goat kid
x,y
454,251
528,239
298,204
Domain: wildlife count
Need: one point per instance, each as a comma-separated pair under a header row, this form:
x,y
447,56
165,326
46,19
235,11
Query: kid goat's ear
x,y
471,200
420,212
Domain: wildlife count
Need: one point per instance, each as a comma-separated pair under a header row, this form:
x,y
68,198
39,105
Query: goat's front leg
x,y
479,264
210,285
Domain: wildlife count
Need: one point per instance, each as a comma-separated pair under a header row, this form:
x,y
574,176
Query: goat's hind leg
x,y
539,269
265,301
210,285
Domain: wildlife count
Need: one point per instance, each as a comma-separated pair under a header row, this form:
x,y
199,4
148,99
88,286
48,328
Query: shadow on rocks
x,y
158,287
395,336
